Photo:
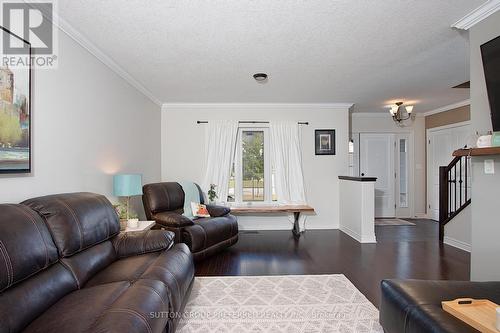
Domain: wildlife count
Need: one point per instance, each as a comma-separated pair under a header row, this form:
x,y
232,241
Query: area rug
x,y
289,303
384,222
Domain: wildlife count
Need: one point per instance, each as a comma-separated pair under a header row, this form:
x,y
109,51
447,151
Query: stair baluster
x,y
452,198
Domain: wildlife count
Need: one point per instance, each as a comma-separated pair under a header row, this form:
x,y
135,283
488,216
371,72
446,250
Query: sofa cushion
x,y
174,268
84,265
77,221
78,311
126,269
209,231
28,299
26,246
112,307
144,307
415,305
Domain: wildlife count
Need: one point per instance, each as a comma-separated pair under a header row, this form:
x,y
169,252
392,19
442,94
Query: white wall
x,y
88,123
383,123
357,210
485,188
183,152
457,233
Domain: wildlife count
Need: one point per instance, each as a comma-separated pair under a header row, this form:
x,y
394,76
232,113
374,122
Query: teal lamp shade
x,y
127,185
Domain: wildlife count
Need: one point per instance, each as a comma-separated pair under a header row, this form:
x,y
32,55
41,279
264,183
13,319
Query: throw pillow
x,y
199,210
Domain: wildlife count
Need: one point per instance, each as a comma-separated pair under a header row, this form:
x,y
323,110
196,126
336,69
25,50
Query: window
x,y
252,163
251,179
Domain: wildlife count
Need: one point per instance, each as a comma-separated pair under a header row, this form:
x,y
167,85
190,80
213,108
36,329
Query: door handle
x,y
362,175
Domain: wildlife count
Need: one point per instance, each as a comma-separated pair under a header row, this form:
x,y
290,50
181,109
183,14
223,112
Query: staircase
x,y
454,190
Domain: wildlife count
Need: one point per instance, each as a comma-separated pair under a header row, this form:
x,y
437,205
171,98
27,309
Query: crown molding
x,y
447,108
246,106
385,115
477,15
417,114
84,42
371,115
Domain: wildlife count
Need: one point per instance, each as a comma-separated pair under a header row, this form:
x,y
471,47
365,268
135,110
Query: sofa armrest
x,y
173,220
218,211
133,243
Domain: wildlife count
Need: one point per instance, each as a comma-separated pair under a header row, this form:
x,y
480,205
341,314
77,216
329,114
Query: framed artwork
x,y
325,142
15,113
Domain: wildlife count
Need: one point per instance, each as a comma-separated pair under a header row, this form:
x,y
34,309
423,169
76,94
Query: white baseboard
x,y
358,237
457,243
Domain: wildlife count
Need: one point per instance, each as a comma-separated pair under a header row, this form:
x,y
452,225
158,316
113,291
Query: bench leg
x,y
296,227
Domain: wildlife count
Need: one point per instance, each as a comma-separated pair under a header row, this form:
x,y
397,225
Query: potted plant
x,y
121,211
212,195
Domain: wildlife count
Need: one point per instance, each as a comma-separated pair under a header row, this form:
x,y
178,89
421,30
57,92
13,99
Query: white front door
x,y
441,144
377,160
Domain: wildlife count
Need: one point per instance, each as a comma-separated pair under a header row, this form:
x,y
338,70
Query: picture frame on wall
x,y
15,113
324,141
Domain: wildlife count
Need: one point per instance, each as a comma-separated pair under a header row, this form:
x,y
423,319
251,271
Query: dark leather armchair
x,y
65,267
164,203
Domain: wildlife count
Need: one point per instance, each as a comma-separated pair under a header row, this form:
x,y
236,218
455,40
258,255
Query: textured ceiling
x,y
366,52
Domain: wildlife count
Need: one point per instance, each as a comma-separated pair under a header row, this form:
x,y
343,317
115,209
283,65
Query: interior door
x,y
441,144
377,160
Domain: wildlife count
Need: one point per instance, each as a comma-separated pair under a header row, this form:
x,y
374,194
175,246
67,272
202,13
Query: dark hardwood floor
x,y
405,252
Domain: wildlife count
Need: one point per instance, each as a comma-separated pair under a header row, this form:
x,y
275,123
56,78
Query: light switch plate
x,y
489,167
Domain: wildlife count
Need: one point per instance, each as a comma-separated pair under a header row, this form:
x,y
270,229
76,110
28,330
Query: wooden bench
x,y
295,209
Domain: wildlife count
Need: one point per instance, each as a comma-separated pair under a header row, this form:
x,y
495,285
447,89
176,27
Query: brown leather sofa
x,y
164,203
65,267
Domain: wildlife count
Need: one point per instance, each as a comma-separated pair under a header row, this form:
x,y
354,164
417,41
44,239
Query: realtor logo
x,y
32,22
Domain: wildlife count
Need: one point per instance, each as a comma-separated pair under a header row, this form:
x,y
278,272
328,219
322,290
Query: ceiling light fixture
x,y
400,113
260,77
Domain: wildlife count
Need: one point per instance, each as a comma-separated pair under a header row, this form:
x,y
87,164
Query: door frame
x,y
428,158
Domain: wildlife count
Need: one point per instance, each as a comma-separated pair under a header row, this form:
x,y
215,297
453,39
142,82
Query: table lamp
x,y
127,185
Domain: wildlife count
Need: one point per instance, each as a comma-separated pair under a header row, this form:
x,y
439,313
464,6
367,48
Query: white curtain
x,y
220,141
286,155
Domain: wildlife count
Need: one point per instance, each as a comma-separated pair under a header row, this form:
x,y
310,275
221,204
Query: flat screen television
x,y
490,52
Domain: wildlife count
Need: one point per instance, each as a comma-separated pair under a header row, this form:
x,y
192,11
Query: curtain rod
x,y
252,122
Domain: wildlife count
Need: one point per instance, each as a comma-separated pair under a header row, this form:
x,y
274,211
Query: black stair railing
x,y
454,190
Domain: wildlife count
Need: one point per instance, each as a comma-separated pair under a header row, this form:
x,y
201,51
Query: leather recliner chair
x,y
65,267
164,203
